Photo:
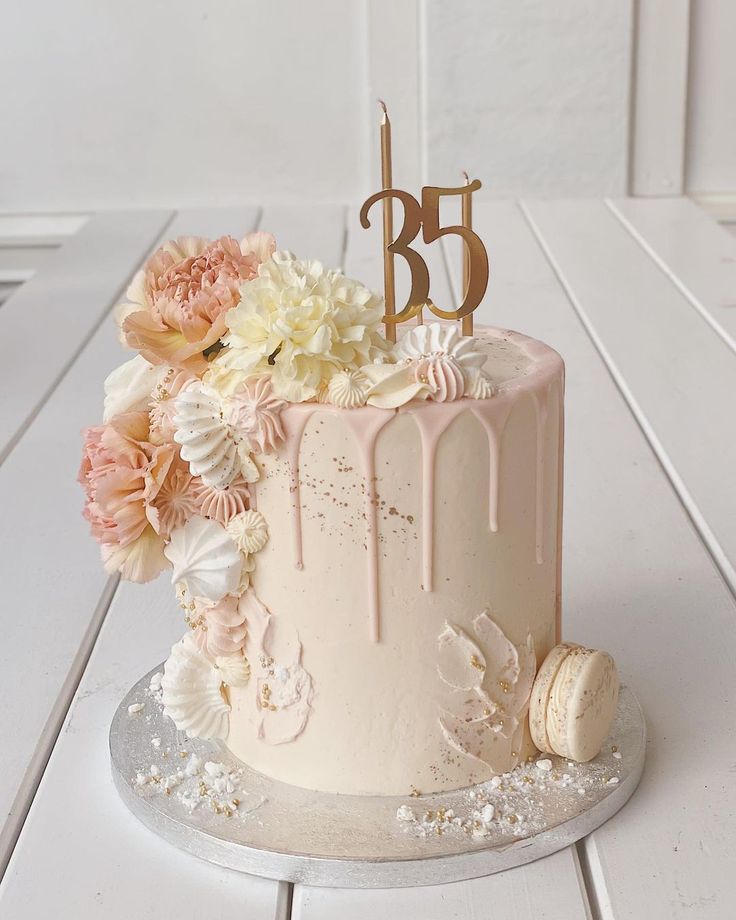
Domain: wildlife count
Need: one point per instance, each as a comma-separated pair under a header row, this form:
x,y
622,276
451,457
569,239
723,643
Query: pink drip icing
x,y
493,415
294,419
432,420
366,426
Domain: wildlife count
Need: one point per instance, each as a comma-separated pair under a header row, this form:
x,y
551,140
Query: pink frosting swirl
x,y
222,505
255,411
441,373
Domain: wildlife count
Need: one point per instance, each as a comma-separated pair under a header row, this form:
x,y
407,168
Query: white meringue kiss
x,y
205,558
192,692
209,444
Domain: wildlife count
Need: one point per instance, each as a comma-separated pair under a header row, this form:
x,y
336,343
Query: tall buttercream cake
x,y
362,525
415,553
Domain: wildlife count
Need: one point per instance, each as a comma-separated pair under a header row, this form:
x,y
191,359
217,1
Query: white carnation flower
x,y
300,323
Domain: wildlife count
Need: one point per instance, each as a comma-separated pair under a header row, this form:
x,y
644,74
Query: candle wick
x,y
466,177
383,106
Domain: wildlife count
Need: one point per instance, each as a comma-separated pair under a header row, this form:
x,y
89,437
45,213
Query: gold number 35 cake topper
x,y
425,217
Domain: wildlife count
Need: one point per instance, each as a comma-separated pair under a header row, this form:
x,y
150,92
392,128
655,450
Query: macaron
x,y
573,702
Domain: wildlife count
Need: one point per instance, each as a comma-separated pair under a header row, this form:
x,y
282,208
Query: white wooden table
x,y
640,298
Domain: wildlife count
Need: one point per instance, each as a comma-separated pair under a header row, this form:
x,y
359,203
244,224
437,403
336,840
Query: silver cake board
x,y
200,798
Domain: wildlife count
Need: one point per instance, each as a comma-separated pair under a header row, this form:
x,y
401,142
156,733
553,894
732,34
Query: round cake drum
x,y
197,796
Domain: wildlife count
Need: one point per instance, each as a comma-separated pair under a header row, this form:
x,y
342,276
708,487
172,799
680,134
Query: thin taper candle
x,y
389,284
467,219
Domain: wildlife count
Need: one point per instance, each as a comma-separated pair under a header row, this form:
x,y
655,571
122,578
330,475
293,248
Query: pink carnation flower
x,y
177,303
122,472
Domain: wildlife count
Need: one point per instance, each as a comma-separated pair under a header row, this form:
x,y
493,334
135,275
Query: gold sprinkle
x,y
476,664
415,793
512,819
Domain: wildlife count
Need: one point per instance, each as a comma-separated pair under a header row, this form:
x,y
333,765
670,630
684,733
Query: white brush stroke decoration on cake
x,y
393,385
234,670
192,694
282,686
205,559
220,628
489,680
209,443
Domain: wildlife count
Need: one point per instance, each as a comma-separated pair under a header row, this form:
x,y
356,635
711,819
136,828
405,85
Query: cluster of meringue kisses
x,y
228,333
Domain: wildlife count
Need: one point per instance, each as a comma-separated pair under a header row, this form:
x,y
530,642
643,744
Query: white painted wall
x,y
539,95
711,155
194,102
163,102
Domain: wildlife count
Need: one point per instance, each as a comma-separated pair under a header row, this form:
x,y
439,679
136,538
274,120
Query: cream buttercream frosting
x,y
388,526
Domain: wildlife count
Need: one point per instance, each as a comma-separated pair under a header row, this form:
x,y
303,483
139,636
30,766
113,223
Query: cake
x,y
365,537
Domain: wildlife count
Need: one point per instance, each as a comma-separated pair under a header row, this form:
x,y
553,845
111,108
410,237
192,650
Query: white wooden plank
x,y
48,320
550,888
6,289
637,581
55,591
692,249
677,374
94,857
659,97
546,890
39,229
19,263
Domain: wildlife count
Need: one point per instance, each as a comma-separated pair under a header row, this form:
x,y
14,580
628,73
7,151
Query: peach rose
x,y
121,473
176,305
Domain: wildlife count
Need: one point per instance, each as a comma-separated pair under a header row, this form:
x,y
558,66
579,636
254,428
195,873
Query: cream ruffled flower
x,y
300,324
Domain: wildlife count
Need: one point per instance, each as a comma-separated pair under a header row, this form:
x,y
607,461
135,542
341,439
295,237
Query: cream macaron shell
x,y
541,693
582,703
